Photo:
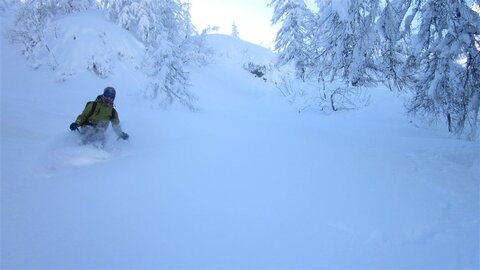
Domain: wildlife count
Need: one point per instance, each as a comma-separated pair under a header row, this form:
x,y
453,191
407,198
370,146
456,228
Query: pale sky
x,y
252,17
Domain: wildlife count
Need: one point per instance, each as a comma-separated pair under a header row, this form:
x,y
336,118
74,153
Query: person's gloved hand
x,y
124,136
74,126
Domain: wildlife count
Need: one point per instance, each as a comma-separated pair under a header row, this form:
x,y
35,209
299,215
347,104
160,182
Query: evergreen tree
x,y
292,38
171,42
116,10
393,46
234,30
344,41
447,45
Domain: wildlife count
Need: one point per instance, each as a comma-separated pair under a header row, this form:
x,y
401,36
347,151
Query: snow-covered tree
x,y
336,44
344,41
447,46
430,46
116,9
292,37
171,41
235,33
393,53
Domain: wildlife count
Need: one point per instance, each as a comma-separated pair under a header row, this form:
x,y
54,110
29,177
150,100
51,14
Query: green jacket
x,y
101,117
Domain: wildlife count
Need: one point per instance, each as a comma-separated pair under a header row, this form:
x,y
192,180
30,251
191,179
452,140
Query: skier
x,y
95,118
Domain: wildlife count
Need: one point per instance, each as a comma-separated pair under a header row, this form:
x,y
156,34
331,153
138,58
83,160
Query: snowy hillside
x,y
245,182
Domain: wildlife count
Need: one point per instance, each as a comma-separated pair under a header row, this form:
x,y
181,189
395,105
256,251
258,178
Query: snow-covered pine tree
x,y
171,42
345,40
341,45
393,49
235,33
116,10
292,37
71,6
447,46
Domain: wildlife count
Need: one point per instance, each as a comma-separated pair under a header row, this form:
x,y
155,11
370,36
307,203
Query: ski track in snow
x,y
246,182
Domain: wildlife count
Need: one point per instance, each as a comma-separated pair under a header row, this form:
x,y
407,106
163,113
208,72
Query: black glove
x,y
74,126
124,136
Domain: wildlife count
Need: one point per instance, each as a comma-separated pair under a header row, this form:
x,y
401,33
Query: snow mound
x,y
233,53
238,51
88,41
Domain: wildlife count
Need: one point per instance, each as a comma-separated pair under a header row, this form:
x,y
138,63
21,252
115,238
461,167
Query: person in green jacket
x,y
93,122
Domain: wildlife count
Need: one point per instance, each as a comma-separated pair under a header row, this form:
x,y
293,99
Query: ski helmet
x,y
109,92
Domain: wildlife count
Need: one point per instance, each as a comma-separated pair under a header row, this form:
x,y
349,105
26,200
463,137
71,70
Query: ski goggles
x,y
109,95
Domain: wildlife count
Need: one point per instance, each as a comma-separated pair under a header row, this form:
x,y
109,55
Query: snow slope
x,y
246,182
